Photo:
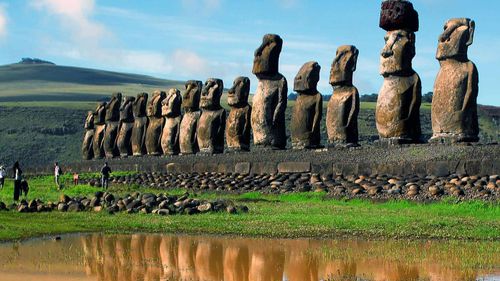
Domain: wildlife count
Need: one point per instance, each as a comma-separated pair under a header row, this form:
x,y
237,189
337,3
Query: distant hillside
x,y
39,80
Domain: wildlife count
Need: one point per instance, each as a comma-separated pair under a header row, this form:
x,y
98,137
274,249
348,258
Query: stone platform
x,y
425,159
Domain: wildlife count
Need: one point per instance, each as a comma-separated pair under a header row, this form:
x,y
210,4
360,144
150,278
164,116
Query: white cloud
x,y
205,6
287,3
3,21
75,16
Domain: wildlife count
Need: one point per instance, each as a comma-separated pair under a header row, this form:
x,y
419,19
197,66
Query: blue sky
x,y
197,39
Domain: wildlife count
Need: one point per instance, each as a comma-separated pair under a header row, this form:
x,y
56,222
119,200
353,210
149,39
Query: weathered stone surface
x,y
140,125
191,104
124,140
294,167
212,123
308,109
242,168
112,125
454,103
343,107
238,122
174,168
398,105
87,150
398,14
171,111
270,99
155,123
99,128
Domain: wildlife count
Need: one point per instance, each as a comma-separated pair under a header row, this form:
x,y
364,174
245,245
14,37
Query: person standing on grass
x,y
76,178
105,172
2,177
57,174
17,180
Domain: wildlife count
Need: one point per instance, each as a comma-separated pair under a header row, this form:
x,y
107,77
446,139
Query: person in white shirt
x,y
57,174
2,176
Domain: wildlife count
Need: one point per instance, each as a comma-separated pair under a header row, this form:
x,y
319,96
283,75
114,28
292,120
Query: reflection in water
x,y
158,257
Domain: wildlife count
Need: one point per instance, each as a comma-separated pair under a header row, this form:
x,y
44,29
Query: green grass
x,y
284,216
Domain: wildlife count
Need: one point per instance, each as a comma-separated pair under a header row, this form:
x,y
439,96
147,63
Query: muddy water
x,y
163,257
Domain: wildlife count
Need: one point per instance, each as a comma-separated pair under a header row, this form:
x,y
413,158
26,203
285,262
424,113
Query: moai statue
x,y
398,105
308,109
171,111
87,150
238,122
454,103
99,129
191,104
343,107
140,125
212,123
112,125
270,98
124,140
155,124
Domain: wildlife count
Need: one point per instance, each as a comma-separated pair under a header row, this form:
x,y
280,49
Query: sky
x,y
198,39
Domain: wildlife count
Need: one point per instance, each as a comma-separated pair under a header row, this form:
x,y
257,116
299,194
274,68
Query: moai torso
x,y
155,124
308,109
99,128
397,114
140,125
454,102
343,107
191,104
124,140
171,111
87,150
270,99
112,125
238,122
212,123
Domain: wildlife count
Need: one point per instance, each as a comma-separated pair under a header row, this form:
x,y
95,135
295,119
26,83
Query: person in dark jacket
x,y
105,172
17,180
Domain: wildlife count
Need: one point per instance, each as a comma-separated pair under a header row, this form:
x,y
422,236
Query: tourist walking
x,y
76,178
105,172
2,177
57,174
17,180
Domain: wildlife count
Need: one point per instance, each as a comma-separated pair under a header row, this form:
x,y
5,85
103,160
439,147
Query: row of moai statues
x,y
127,128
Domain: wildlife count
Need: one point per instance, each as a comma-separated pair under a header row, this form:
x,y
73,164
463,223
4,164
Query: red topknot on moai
x,y
398,14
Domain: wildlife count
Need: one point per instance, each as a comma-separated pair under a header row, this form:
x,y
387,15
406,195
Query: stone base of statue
x,y
452,138
342,144
396,141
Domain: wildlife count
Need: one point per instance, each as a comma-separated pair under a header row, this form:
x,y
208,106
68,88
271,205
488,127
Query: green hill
x,y
45,81
43,108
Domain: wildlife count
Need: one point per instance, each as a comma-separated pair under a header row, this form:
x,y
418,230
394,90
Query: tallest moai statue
x,y
454,104
398,105
270,98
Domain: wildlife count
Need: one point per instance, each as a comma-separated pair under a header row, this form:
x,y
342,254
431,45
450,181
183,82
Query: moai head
x,y
267,56
454,42
171,105
154,106
113,107
100,114
126,110
89,121
398,52
211,93
140,104
191,97
344,65
307,78
237,96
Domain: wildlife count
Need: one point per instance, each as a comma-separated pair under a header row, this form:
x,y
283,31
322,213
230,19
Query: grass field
x,y
284,216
